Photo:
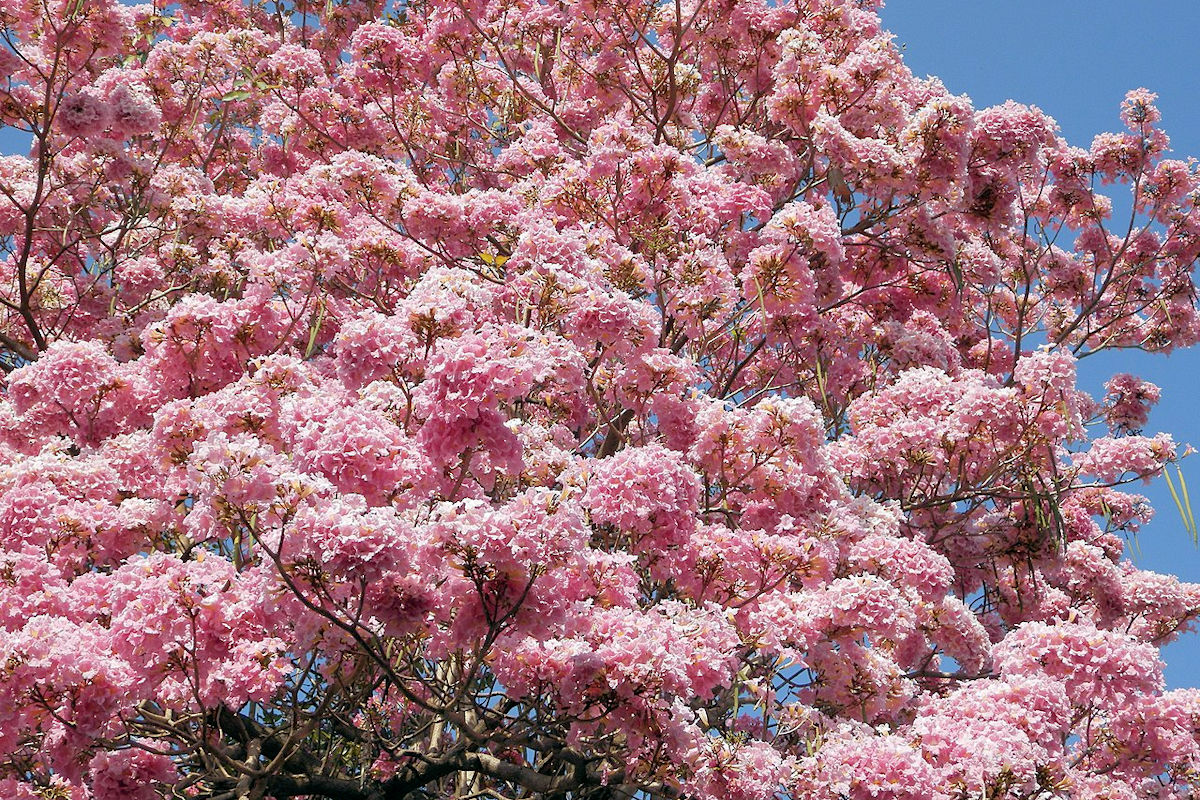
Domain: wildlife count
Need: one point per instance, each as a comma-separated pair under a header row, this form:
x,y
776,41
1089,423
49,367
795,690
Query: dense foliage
x,y
599,399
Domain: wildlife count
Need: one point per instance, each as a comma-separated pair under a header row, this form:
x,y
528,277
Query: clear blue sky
x,y
1075,60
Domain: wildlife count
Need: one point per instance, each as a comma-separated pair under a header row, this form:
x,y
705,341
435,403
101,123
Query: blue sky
x,y
1075,60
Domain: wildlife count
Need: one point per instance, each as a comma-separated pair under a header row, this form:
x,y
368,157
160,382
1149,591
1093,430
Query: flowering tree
x,y
507,399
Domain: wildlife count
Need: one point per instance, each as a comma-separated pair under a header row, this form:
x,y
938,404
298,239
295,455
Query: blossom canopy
x,y
572,400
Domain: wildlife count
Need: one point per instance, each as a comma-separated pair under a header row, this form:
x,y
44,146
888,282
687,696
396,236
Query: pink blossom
x,y
751,771
646,494
1096,667
869,766
1128,401
1110,458
84,114
129,774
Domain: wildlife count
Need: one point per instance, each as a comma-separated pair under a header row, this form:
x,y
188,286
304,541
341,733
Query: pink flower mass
x,y
583,400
